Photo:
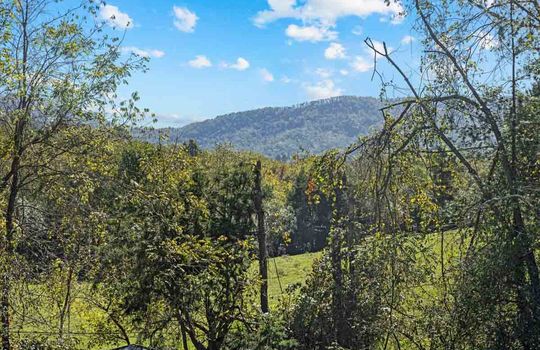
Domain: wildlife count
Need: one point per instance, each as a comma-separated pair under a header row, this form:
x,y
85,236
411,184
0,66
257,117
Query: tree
x,y
59,75
261,237
454,108
312,217
178,254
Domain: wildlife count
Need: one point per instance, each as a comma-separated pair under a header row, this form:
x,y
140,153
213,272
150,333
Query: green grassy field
x,y
283,272
287,270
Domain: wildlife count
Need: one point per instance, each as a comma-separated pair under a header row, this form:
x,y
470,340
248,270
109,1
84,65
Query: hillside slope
x,y
282,131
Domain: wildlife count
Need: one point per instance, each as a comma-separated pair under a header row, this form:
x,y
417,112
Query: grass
x,y
285,271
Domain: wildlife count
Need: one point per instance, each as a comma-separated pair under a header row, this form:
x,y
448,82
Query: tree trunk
x,y
337,292
9,247
527,291
18,149
184,337
261,236
5,313
8,251
66,304
338,312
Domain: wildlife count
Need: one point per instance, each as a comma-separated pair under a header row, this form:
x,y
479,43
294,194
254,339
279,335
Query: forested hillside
x,y
283,131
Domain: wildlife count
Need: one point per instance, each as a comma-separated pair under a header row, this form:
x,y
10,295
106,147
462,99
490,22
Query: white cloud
x,y
407,39
170,118
323,73
175,119
266,75
323,89
156,53
366,63
344,72
114,17
240,64
143,53
200,61
378,46
281,5
325,12
335,51
310,33
278,9
358,30
361,64
487,41
397,18
185,20
286,80
394,19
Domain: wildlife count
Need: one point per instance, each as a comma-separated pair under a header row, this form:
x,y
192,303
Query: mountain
x,y
283,131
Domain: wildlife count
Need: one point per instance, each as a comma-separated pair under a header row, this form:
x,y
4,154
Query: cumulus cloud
x,y
185,20
266,75
143,53
114,17
335,51
310,33
278,9
323,73
199,62
325,12
365,62
407,39
323,89
361,64
344,72
240,64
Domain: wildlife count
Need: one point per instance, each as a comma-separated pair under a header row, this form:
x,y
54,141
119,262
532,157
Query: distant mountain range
x,y
280,132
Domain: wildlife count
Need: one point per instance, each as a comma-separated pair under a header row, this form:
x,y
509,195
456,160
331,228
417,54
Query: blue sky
x,y
211,57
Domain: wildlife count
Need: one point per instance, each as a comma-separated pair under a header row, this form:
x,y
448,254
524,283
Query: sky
x,y
212,57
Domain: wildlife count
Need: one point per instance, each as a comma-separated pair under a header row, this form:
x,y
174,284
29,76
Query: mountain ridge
x,y
314,126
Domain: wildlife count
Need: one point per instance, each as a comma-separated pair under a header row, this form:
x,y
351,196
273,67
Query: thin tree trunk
x,y
336,253
337,292
5,313
125,334
18,150
8,251
184,337
261,236
525,253
9,247
527,291
67,302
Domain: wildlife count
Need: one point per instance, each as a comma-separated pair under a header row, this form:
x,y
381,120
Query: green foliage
x,y
178,242
270,333
283,132
312,316
312,217
430,225
39,344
